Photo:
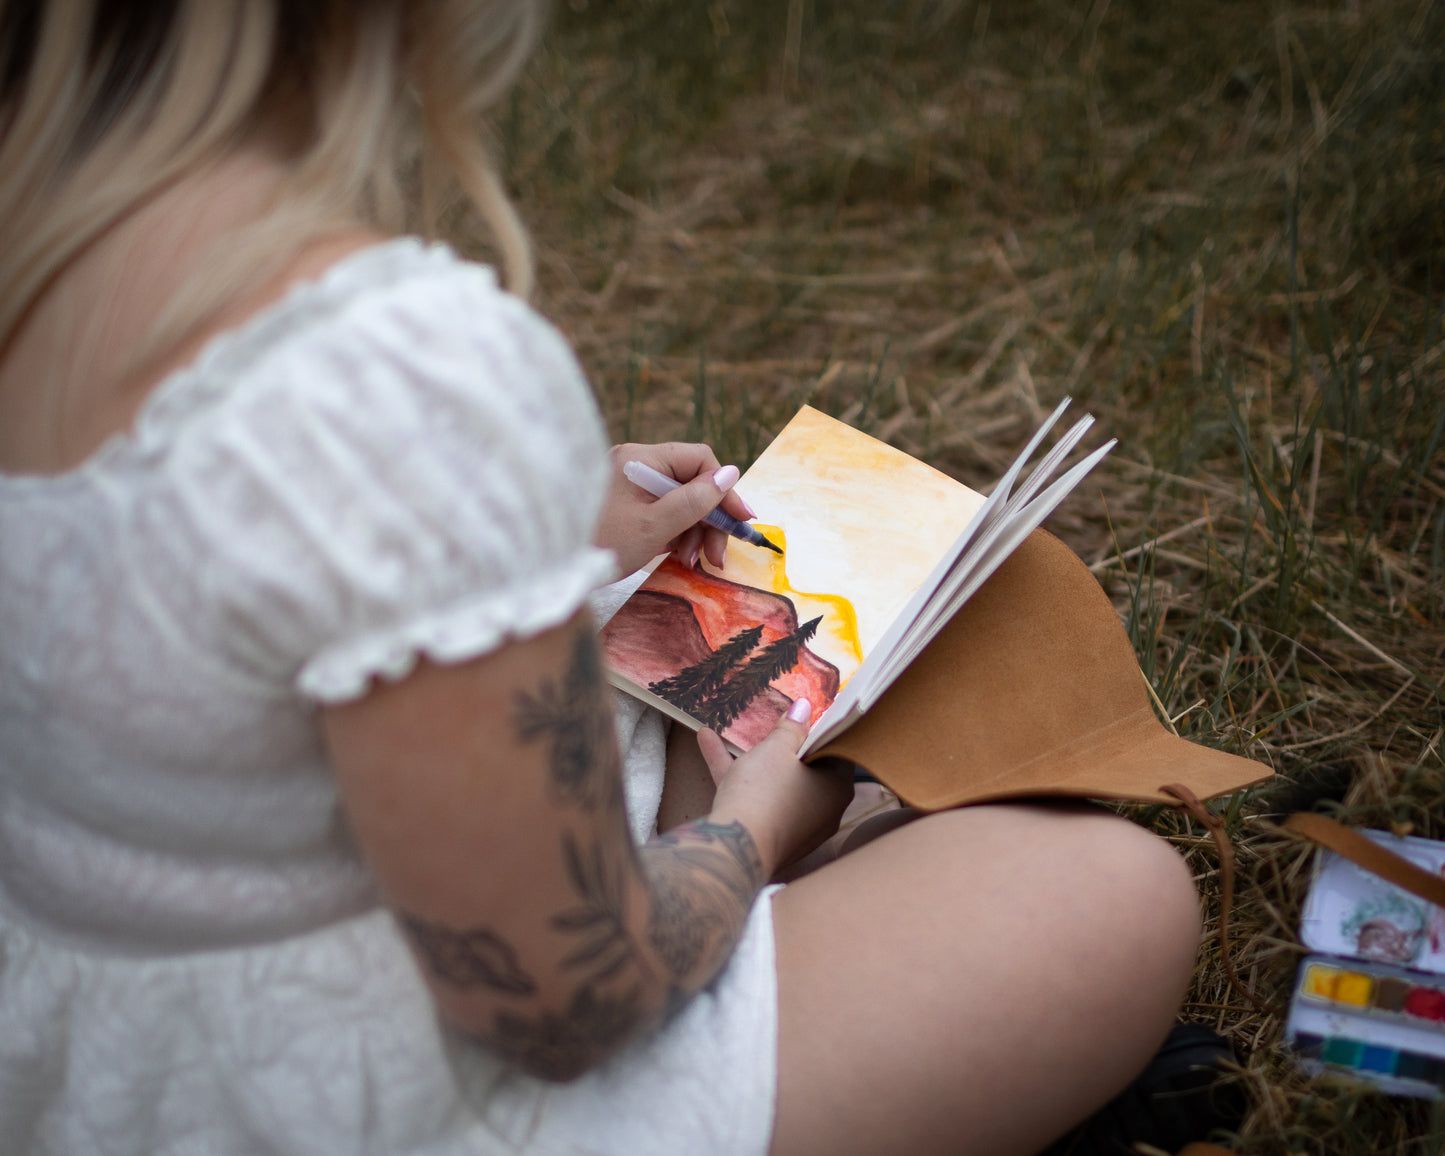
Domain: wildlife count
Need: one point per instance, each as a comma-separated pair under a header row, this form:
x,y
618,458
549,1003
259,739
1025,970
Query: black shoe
x,y
1182,1096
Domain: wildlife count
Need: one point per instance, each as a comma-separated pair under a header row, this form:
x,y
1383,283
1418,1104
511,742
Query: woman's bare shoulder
x,y
61,399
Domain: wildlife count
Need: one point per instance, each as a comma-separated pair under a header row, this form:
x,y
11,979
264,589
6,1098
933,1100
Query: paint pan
x,y
1369,1003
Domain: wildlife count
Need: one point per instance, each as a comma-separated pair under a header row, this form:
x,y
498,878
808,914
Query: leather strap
x,y
1215,826
1368,854
1340,839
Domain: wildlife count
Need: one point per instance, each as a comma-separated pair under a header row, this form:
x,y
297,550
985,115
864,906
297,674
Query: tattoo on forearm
x,y
575,718
563,1045
471,958
703,877
740,870
679,930
600,920
693,924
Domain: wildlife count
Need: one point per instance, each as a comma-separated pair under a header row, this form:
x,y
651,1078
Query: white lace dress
x,y
398,459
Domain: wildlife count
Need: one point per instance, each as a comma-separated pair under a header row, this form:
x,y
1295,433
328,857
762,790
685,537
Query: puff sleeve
x,y
412,470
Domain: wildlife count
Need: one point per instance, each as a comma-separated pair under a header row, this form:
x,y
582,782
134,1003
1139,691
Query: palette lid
x,y
1352,912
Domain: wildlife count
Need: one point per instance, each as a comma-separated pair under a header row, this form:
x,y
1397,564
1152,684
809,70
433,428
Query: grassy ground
x,y
1221,227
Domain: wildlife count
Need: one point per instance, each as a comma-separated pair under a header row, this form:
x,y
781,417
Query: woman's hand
x,y
637,527
788,807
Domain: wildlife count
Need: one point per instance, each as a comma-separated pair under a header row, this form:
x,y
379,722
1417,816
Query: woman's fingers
x,y
714,753
792,728
694,500
704,485
687,546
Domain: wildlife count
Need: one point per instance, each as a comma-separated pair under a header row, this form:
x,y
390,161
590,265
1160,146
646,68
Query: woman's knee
x,y
1155,879
1133,855
1134,888
1071,879
1046,944
1107,885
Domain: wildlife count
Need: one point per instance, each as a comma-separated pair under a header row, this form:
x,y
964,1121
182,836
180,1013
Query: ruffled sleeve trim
x,y
464,630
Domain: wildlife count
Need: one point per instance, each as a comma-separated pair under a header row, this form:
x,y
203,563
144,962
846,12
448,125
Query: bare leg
x,y
872,813
977,981
687,788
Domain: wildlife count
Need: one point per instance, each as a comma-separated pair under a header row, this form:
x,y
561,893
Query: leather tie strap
x,y
1366,853
1215,825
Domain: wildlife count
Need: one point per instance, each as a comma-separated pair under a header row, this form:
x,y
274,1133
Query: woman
x,y
315,834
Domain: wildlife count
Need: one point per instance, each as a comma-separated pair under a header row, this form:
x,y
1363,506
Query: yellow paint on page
x,y
837,638
862,524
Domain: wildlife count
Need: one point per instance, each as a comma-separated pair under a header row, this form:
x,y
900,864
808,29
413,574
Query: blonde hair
x,y
105,104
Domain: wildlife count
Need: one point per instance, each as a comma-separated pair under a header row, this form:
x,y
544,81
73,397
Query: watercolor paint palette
x,y
1370,1001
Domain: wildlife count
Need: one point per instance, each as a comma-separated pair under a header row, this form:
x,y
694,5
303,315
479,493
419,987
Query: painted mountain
x,y
730,656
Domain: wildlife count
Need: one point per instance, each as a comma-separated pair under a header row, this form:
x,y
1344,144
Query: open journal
x,y
879,550
868,613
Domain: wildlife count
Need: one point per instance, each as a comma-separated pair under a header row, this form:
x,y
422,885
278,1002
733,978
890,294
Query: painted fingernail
x,y
801,710
726,477
692,558
748,511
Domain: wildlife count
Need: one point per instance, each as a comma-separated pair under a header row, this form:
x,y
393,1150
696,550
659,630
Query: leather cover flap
x,y
1031,689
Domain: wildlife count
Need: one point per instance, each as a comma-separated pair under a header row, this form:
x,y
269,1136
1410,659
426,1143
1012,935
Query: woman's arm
x,y
487,797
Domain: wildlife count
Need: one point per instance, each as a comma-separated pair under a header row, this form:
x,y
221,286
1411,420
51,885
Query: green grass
x,y
1221,227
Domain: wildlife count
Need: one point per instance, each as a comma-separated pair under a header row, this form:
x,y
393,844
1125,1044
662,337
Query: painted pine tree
x,y
694,684
722,710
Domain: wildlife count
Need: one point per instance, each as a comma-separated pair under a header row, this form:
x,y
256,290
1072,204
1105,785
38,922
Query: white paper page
x,y
993,509
1051,462
997,512
942,599
989,551
832,722
1005,483
990,554
994,532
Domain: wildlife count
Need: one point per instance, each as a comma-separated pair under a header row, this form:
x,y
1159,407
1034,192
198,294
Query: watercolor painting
x,y
862,525
1352,912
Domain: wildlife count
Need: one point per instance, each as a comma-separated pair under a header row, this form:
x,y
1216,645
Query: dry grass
x,y
1221,227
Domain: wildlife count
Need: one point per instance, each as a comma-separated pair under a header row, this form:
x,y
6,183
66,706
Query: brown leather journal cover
x,y
1031,689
